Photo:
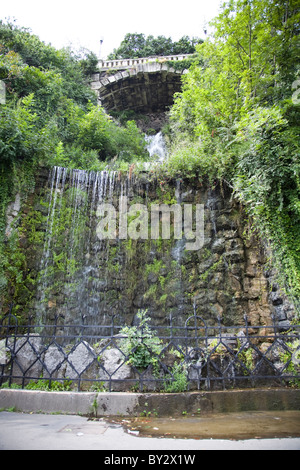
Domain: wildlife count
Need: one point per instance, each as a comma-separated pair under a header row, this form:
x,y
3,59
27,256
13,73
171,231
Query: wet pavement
x,y
235,431
235,426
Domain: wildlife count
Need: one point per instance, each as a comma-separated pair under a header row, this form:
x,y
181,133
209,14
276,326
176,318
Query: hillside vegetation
x,y
236,119
51,117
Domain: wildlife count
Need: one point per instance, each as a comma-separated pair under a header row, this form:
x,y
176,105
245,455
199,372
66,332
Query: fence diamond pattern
x,y
194,356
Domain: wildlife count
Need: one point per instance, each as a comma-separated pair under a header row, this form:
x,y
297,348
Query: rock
x,y
218,245
27,352
205,297
229,340
152,278
242,340
228,234
284,325
195,370
234,244
235,256
54,362
113,366
208,263
276,298
3,355
79,360
225,223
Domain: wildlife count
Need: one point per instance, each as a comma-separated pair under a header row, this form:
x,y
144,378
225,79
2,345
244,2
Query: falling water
x,y
70,282
212,200
177,255
85,279
156,146
57,182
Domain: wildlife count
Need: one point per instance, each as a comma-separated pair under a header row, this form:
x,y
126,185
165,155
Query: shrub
x,y
141,345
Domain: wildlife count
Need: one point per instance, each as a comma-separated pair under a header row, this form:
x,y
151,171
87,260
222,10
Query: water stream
x,y
71,281
84,278
156,146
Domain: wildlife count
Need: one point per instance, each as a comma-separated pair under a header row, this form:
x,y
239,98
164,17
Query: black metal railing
x,y
170,358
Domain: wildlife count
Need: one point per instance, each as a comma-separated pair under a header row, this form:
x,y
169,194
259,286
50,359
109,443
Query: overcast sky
x,y
65,22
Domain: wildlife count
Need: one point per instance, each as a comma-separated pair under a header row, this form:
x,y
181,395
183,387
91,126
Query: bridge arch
x,y
142,85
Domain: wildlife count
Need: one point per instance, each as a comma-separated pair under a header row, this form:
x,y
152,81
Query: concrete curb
x,y
135,404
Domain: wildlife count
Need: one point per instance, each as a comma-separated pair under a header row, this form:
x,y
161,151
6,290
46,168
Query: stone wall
x,y
148,87
67,271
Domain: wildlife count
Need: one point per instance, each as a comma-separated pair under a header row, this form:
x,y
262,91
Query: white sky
x,y
65,22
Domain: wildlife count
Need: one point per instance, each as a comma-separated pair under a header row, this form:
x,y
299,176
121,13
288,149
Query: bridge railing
x,y
127,63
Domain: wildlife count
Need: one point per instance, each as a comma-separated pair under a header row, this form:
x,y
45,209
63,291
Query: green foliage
x,y
14,177
42,384
155,267
141,345
51,113
47,385
184,64
267,181
235,120
291,357
51,117
19,136
178,380
11,386
89,63
246,357
137,45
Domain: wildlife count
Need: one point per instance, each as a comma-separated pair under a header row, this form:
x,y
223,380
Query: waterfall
x,y
70,282
177,254
88,279
57,181
74,271
156,146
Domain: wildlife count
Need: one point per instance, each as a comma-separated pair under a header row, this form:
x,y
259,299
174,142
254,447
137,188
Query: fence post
x,y
13,351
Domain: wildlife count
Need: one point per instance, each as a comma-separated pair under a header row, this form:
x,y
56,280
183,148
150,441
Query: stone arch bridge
x,y
145,85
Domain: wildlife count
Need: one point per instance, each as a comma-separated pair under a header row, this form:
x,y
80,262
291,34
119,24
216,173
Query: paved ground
x,y
20,431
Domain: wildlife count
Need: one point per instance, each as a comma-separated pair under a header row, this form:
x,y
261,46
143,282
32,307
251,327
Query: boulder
x,y
55,365
113,366
28,360
80,361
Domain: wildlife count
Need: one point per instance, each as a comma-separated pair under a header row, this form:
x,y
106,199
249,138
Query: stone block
x,y
225,223
3,355
27,363
235,256
54,362
113,367
218,245
79,360
234,244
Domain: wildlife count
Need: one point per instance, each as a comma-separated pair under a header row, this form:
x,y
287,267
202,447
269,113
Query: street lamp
x,y
101,42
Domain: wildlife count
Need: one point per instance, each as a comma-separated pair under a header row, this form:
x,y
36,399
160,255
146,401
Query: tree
x,y
89,63
49,99
137,45
237,119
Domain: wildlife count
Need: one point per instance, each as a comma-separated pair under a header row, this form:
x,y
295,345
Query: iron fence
x,y
170,358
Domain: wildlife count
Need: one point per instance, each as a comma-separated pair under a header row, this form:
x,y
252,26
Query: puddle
x,y
235,426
